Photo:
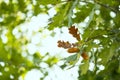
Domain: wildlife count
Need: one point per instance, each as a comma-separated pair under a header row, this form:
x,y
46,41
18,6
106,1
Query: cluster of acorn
x,y
73,47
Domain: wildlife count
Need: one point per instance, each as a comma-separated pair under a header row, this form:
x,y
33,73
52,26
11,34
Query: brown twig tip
x,y
74,32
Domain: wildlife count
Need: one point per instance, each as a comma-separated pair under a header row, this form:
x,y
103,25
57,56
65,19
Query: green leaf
x,y
83,13
95,34
117,20
111,71
51,61
88,76
107,53
73,59
59,18
84,67
22,5
111,3
105,15
4,55
90,46
46,2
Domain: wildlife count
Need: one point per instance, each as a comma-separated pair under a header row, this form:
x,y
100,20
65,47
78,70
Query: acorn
x,y
85,56
73,50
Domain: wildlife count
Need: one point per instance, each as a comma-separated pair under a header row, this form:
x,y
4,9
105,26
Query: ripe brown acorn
x,y
73,50
85,56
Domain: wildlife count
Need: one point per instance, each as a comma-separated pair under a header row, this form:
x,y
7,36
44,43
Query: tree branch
x,y
103,5
106,6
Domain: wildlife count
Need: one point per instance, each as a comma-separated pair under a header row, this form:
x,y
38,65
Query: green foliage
x,y
84,67
100,38
111,51
88,76
82,13
72,59
51,61
110,71
46,2
57,20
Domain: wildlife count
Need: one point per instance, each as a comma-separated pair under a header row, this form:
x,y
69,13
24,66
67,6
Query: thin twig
x,y
95,37
106,6
103,5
